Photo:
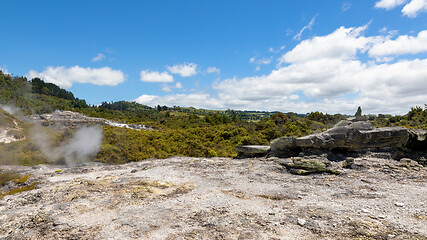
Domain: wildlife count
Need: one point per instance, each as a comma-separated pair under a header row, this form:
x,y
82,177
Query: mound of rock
x,y
69,119
352,138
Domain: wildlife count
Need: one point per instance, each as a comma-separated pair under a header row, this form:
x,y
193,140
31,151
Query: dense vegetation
x,y
36,96
178,131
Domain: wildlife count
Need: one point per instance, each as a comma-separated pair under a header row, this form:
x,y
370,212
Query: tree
x,y
359,112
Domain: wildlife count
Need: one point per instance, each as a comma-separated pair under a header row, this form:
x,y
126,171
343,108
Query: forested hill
x,y
36,96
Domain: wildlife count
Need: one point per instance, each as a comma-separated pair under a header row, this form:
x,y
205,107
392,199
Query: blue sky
x,y
299,56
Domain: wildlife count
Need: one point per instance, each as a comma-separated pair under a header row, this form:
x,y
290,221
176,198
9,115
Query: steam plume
x,y
84,144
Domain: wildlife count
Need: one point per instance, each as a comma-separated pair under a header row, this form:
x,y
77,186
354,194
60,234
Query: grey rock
x,y
348,163
354,137
282,143
301,221
361,125
284,161
343,123
252,150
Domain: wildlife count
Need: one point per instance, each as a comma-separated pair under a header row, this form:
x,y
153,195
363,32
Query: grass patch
x,y
20,189
8,176
22,179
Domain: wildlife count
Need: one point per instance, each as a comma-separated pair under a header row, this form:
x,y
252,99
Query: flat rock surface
x,y
218,198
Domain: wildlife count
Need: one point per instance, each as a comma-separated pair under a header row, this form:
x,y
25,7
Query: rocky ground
x,y
217,198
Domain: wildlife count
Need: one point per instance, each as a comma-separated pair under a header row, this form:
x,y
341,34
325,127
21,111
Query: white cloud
x,y
178,85
410,9
213,70
414,7
166,88
201,100
342,43
261,61
389,4
169,88
308,26
152,76
98,57
4,70
345,6
65,77
185,70
318,77
276,51
404,44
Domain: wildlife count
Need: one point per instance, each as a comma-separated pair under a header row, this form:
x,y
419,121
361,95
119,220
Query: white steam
x,y
83,145
9,108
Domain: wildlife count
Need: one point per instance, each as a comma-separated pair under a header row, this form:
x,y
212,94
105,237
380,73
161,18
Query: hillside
x,y
175,163
11,128
178,131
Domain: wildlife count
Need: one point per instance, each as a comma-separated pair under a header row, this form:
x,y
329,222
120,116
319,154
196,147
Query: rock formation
x,y
69,119
349,138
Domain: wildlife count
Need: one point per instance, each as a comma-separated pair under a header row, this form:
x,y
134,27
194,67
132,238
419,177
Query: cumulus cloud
x,y
404,44
389,4
410,9
342,43
308,26
185,70
152,76
414,7
98,57
213,70
325,73
65,77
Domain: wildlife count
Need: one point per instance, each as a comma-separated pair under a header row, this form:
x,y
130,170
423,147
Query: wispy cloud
x,y
98,57
213,70
259,62
345,6
272,50
308,26
169,88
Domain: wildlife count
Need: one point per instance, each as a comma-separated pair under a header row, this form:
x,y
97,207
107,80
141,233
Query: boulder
x,y
252,150
285,146
303,166
417,139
